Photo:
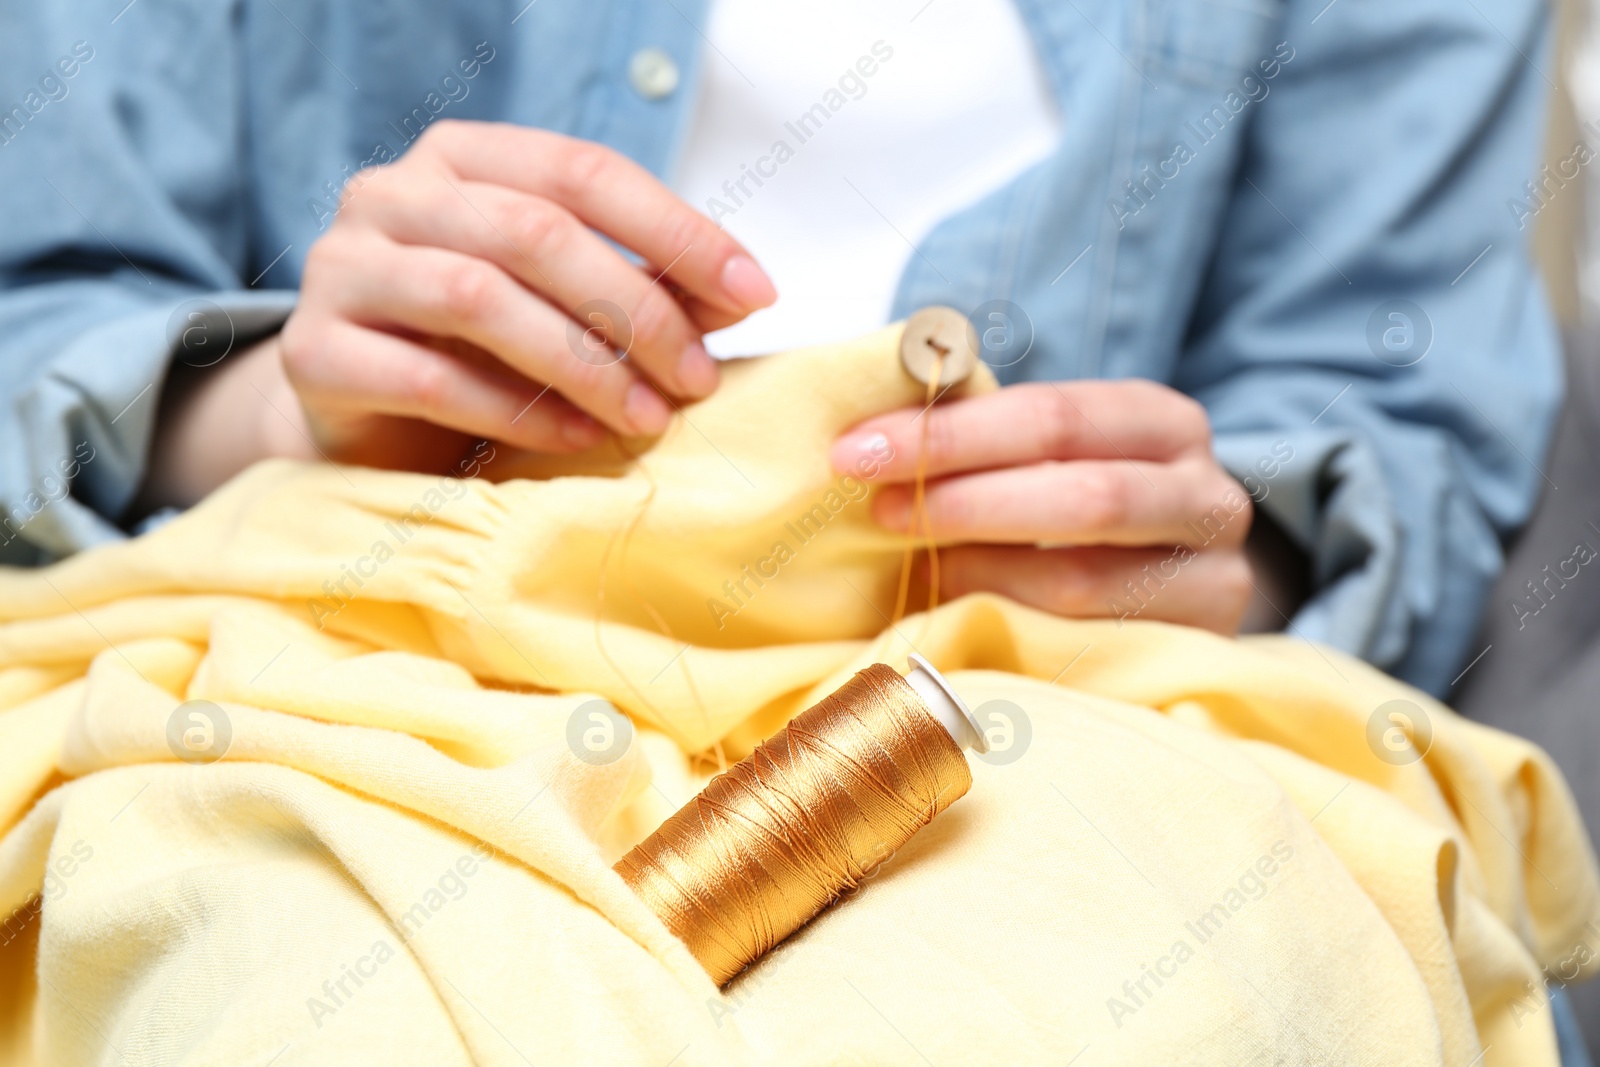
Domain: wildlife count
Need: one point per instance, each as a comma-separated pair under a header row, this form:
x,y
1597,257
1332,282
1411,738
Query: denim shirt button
x,y
652,73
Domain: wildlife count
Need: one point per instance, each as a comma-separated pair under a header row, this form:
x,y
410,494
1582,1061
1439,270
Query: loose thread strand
x,y
919,510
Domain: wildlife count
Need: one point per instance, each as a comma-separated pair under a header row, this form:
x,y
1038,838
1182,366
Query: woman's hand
x,y
466,291
1084,498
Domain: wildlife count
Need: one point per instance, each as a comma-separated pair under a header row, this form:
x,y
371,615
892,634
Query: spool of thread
x,y
783,833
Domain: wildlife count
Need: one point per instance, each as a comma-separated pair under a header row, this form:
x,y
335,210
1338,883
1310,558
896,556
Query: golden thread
x,y
766,846
919,509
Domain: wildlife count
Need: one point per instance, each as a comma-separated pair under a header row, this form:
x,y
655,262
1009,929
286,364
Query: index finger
x,y
1031,423
616,196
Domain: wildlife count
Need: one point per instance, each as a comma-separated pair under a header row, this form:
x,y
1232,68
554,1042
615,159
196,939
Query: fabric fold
x,y
1191,849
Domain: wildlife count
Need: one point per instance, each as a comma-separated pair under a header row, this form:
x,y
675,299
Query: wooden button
x,y
939,331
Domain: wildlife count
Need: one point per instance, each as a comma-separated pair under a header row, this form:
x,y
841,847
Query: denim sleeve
x,y
1371,307
124,211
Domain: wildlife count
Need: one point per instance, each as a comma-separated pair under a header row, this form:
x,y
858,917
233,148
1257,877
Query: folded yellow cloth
x,y
1198,856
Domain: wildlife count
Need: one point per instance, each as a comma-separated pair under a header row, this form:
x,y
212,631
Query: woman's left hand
x,y
1084,498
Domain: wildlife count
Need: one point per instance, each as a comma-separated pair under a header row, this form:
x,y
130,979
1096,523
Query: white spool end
x,y
951,711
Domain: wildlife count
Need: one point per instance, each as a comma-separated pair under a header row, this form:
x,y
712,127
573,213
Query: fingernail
x,y
580,431
862,453
747,283
697,371
645,411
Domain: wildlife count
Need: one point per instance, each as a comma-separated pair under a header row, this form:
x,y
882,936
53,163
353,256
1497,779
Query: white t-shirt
x,y
829,136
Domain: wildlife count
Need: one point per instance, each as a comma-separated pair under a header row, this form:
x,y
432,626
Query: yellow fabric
x,y
400,860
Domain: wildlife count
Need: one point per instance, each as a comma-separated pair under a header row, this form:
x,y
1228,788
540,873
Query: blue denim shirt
x,y
1310,215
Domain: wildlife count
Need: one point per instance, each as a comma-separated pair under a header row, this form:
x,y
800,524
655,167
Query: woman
x,y
407,228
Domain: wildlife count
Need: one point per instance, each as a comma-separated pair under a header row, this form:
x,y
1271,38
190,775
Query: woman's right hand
x,y
466,291
484,237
